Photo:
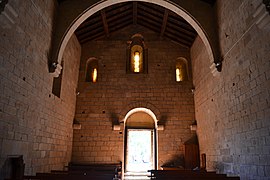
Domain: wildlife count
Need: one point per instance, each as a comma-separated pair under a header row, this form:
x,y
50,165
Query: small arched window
x,y
136,55
91,70
181,69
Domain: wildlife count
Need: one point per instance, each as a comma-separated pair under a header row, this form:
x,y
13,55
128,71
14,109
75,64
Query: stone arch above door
x,y
139,106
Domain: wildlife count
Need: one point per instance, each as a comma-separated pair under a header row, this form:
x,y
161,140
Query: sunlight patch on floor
x,y
137,175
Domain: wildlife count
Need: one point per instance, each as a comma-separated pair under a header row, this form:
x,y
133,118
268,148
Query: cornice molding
x,y
8,14
2,5
262,15
267,5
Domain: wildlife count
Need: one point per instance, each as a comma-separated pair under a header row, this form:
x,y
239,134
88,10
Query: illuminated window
x,y
94,75
136,62
137,55
181,70
91,70
178,75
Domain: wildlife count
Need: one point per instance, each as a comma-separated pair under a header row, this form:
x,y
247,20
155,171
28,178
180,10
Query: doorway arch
x,y
140,140
205,26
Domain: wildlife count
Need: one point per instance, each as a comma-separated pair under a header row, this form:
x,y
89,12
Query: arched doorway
x,y
140,142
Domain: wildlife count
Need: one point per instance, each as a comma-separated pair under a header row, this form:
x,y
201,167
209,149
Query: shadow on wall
x,y
163,120
222,167
114,119
177,161
219,167
13,168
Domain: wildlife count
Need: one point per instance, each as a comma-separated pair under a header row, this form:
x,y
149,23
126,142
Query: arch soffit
x,y
139,106
91,59
73,13
149,115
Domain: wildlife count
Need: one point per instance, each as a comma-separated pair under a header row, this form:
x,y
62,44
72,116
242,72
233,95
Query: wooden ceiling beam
x,y
181,30
91,21
119,16
90,33
90,38
179,40
157,9
149,25
85,29
171,32
164,22
178,21
135,12
113,11
104,21
142,15
120,26
121,20
148,10
150,21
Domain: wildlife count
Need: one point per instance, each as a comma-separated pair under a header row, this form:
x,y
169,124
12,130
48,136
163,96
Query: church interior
x,y
145,89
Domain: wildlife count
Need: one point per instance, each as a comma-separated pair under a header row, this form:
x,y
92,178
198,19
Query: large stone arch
x,y
72,13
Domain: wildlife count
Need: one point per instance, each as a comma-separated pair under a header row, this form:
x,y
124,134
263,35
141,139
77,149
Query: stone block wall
x,y
33,122
233,109
116,92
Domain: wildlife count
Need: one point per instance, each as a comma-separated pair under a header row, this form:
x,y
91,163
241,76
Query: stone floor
x,y
136,175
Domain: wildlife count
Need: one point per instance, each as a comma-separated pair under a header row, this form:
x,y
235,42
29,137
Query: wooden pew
x,y
105,168
78,176
187,174
82,172
84,176
115,167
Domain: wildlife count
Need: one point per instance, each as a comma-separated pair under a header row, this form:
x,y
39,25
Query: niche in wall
x,y
181,69
137,55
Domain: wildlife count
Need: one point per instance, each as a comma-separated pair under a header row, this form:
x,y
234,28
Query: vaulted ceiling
x,y
156,18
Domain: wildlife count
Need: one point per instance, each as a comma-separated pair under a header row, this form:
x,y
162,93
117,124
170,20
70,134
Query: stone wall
x,y
34,123
116,92
232,108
